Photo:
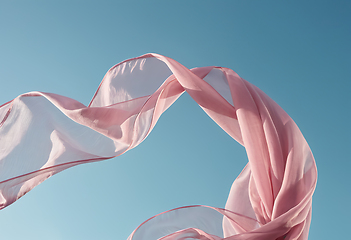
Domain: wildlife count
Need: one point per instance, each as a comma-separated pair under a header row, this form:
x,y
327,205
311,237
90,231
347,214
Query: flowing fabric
x,y
270,199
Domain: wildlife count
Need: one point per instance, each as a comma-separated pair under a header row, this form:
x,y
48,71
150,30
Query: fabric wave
x,y
270,199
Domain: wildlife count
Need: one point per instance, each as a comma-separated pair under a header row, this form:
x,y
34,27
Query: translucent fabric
x,y
270,199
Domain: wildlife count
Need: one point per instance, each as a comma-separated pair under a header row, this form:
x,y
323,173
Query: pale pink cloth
x,y
270,199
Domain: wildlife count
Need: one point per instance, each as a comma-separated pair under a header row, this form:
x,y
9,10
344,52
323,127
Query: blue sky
x,y
298,52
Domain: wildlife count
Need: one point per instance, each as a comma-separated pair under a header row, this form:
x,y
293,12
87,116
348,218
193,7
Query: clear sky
x,y
298,52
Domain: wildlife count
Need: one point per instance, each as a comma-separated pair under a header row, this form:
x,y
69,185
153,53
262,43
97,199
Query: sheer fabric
x,y
270,199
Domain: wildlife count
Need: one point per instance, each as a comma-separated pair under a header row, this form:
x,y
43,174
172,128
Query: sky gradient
x,y
296,52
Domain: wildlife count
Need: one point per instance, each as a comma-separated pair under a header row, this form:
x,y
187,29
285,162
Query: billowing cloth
x,y
270,199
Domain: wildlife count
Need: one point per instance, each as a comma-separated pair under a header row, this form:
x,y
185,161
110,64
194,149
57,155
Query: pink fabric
x,y
270,199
